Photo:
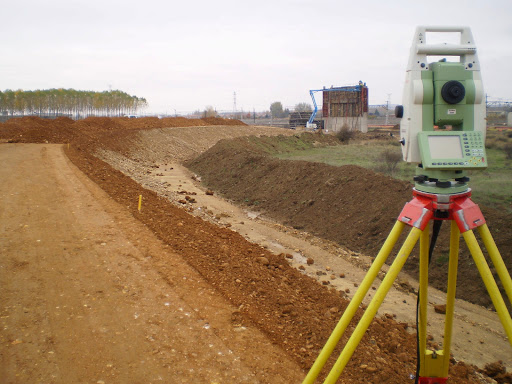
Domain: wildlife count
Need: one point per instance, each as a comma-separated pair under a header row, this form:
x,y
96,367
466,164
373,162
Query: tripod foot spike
x,y
432,380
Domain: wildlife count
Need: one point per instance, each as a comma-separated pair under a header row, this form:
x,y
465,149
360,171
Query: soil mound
x,y
334,202
32,129
351,205
98,123
220,121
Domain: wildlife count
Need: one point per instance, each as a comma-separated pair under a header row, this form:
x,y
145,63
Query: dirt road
x,y
90,295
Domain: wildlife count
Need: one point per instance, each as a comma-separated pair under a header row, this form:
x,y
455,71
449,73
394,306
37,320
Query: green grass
x,y
366,154
288,144
442,259
491,187
337,155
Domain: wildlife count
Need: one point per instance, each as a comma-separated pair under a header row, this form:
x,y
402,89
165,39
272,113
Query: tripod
x,y
464,216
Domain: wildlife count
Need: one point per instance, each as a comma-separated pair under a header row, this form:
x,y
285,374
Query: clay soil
x,y
95,291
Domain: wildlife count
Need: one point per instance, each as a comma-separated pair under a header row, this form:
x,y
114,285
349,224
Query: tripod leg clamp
x,y
417,213
467,215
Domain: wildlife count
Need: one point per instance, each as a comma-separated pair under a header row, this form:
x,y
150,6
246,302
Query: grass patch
x,y
288,144
442,259
366,154
491,187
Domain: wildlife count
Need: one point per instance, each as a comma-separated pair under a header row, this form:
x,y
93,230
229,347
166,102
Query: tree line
x,y
69,102
276,109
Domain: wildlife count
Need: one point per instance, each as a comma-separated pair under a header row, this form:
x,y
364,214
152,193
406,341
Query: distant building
x,y
345,107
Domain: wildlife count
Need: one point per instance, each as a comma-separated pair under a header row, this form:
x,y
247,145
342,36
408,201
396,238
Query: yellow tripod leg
x,y
437,364
489,282
497,260
450,294
356,301
371,311
423,294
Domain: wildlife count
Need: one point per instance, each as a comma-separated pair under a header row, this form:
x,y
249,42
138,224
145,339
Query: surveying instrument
x,y
442,129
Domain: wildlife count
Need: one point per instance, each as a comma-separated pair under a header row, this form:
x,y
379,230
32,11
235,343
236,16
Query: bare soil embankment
x,y
350,205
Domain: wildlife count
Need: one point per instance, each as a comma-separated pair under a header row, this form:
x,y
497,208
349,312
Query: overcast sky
x,y
185,55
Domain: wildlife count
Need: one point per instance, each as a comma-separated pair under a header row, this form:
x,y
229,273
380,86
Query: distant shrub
x,y
508,150
387,161
494,142
345,134
390,159
497,139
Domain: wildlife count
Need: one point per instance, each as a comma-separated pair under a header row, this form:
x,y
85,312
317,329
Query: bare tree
x,y
70,102
303,107
276,108
209,111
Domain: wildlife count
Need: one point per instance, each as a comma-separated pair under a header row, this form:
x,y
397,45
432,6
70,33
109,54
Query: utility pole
x,y
234,105
387,108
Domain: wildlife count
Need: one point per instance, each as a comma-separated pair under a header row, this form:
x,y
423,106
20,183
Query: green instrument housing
x,y
437,111
448,143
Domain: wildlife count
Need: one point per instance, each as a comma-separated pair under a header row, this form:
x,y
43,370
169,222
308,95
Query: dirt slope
x,y
350,205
